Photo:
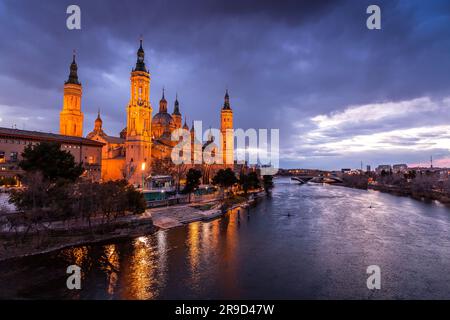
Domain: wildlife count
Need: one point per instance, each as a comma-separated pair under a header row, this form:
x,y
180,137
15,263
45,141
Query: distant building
x,y
14,141
385,167
442,172
346,170
399,168
368,169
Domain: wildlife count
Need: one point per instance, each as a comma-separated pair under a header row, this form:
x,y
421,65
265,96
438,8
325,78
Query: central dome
x,y
162,118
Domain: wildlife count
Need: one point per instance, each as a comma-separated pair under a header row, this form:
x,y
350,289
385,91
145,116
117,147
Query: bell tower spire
x,y
226,129
73,75
138,142
140,64
71,117
176,115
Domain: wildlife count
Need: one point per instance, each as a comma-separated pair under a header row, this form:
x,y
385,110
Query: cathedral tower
x,y
138,141
176,115
226,129
71,117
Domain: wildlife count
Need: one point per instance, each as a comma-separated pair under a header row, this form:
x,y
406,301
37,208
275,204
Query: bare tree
x,y
162,166
178,172
128,170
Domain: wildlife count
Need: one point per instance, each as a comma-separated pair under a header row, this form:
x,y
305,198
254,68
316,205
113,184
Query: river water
x,y
310,241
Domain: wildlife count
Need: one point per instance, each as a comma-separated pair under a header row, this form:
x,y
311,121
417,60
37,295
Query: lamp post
x,y
143,176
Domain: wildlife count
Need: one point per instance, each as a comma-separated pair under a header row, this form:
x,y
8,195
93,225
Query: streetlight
x,y
143,177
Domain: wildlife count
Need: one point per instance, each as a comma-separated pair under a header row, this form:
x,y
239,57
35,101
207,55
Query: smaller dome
x,y
99,120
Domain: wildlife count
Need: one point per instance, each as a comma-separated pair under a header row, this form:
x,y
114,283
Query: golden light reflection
x,y
210,238
142,272
194,251
80,254
230,248
112,267
215,234
161,237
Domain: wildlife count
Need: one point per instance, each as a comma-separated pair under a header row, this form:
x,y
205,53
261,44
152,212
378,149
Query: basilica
x,y
145,137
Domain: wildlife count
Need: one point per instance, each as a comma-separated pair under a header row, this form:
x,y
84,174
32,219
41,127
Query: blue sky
x,y
339,93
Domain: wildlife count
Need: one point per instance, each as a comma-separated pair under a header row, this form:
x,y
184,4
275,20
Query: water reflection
x,y
139,276
304,242
192,242
111,267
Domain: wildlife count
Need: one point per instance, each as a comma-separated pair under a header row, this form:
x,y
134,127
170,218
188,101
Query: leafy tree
x,y
268,183
244,182
254,180
192,181
136,201
44,200
54,163
225,178
250,181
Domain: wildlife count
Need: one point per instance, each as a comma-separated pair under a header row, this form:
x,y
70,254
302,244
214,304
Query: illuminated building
x,y
146,138
71,117
226,126
14,141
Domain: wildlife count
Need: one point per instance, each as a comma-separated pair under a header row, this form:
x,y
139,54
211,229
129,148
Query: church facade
x,y
145,137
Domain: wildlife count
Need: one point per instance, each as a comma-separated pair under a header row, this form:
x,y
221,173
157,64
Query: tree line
x,y
53,190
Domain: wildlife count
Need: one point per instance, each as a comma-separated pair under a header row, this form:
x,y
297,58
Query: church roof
x,y
44,136
162,142
123,133
94,133
115,140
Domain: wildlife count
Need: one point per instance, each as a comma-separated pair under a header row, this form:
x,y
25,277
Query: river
x,y
303,242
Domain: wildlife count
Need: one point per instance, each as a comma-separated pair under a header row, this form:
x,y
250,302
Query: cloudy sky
x,y
339,93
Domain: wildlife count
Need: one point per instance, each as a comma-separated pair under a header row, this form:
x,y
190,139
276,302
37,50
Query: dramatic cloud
x,y
418,128
310,68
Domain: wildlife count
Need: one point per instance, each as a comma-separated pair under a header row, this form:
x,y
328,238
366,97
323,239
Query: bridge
x,y
317,179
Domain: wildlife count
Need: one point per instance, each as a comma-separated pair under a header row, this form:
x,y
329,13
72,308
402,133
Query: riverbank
x,y
59,235
433,195
176,216
20,244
